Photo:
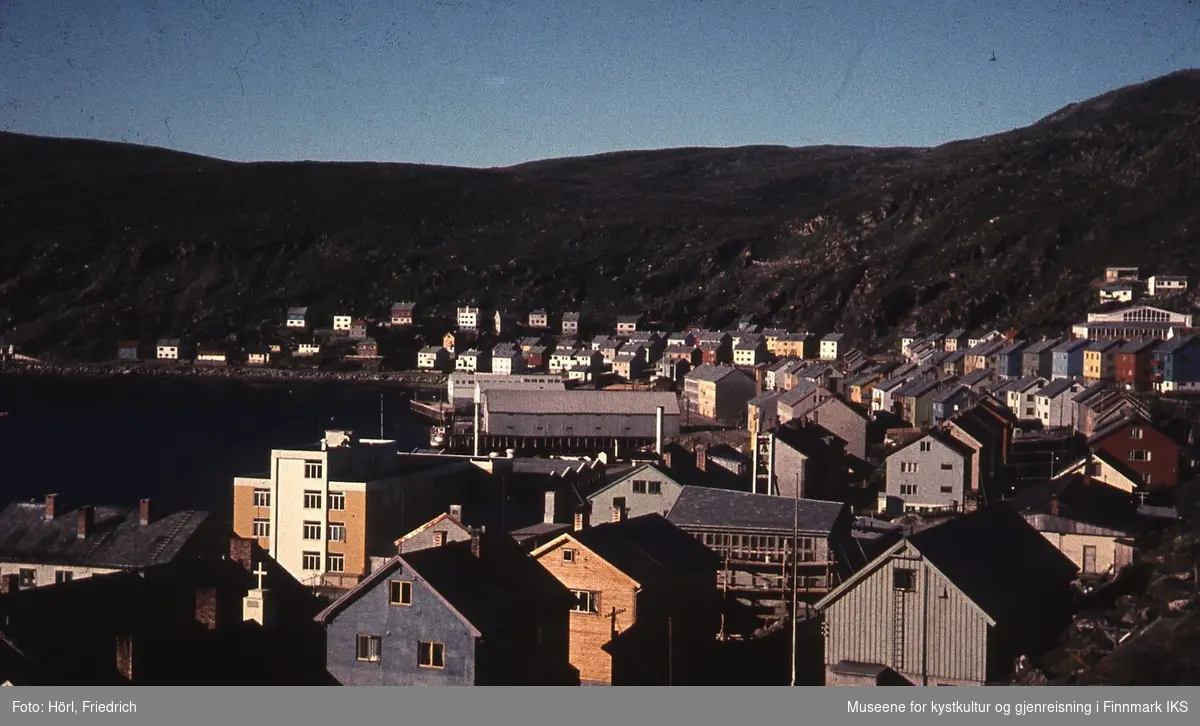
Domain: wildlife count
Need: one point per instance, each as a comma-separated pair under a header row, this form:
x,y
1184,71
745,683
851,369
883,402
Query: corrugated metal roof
x,y
581,402
725,509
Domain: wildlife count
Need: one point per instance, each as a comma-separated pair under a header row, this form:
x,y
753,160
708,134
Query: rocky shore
x,y
405,379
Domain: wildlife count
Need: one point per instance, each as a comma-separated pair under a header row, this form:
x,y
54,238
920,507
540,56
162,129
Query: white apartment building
x,y
468,318
341,323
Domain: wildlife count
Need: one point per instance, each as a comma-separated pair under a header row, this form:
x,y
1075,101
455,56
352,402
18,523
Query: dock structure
x,y
438,413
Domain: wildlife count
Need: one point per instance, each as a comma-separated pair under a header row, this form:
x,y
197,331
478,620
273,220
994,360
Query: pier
x,y
438,413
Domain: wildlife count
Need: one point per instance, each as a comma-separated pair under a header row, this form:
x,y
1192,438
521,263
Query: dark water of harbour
x,y
179,442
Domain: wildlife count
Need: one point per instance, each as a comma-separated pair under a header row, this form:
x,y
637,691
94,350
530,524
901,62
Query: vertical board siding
x,y
860,626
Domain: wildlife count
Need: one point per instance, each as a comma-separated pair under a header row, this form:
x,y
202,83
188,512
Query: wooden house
x,y
627,324
210,354
168,349
476,612
1099,359
1038,358
930,474
1055,403
1176,365
955,604
646,608
367,348
297,317
570,324
434,358
358,329
1134,441
1134,364
539,319
259,355
403,314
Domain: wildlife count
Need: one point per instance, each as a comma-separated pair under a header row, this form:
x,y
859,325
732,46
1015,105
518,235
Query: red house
x,y
1143,448
1135,364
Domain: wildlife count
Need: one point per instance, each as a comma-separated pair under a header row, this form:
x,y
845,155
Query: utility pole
x,y
795,567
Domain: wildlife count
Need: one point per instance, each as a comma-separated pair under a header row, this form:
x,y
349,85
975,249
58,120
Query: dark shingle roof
x,y
648,548
581,402
117,540
995,558
721,508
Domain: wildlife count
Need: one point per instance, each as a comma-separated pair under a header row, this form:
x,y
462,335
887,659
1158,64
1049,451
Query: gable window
x,y
337,533
312,530
439,539
1093,469
586,601
1139,455
431,655
262,528
312,470
400,592
639,486
1135,432
337,501
368,647
926,446
262,497
904,578
654,487
568,555
310,560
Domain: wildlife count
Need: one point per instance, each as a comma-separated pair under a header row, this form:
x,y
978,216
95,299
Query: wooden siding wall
x,y
945,633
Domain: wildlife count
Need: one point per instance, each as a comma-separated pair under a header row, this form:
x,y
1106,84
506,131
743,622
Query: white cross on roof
x,y
261,573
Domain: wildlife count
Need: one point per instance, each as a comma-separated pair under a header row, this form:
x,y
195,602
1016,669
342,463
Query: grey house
x,y
950,401
478,612
1038,358
930,474
1068,360
647,489
955,605
1055,402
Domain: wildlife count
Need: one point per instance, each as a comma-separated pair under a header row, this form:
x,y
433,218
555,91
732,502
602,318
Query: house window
x,y
262,528
27,577
586,601
639,486
312,530
947,467
311,560
337,501
368,648
336,563
908,467
1139,455
904,578
400,592
1135,432
262,497
439,539
431,655
312,500
926,446
948,490
337,533
61,576
568,555
1093,469
906,489
312,470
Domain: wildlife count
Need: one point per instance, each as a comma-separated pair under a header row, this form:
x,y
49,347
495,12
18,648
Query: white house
x,y
341,323
167,349
507,360
539,319
433,358
831,346
563,359
1166,285
297,317
468,318
308,348
472,360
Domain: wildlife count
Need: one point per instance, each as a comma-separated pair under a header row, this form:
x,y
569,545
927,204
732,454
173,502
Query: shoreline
x,y
401,379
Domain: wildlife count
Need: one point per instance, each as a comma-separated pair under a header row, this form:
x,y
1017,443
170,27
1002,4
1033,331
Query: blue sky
x,y
492,83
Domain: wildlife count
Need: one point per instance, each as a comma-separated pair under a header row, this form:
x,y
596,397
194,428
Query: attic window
x,y
904,578
568,555
926,446
400,592
1135,432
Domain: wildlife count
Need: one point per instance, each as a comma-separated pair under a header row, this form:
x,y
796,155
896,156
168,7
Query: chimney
x,y
1054,505
9,584
242,550
87,520
579,522
549,507
206,607
658,430
476,536
125,657
51,506
144,512
702,457
456,511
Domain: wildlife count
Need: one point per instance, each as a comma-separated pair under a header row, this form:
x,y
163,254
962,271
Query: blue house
x,y
480,611
1068,360
950,401
1176,364
1008,359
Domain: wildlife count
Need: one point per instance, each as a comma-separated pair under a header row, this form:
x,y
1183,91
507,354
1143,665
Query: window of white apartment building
x,y
312,500
335,563
312,470
262,528
311,560
337,533
312,530
262,497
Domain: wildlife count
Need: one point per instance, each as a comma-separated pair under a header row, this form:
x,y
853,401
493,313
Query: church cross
x,y
261,573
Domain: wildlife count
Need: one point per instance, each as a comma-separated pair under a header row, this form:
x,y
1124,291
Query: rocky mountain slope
x,y
100,240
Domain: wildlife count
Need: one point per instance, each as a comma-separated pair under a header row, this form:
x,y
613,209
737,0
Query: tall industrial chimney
x,y
658,430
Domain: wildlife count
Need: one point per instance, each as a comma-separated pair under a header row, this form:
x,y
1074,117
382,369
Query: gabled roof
x,y
941,437
1177,343
168,343
704,507
918,387
992,555
986,348
976,377
1135,347
1117,425
1054,389
1101,346
570,316
764,399
952,392
1042,346
833,337
581,402
707,372
648,549
1070,346
297,311
443,517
